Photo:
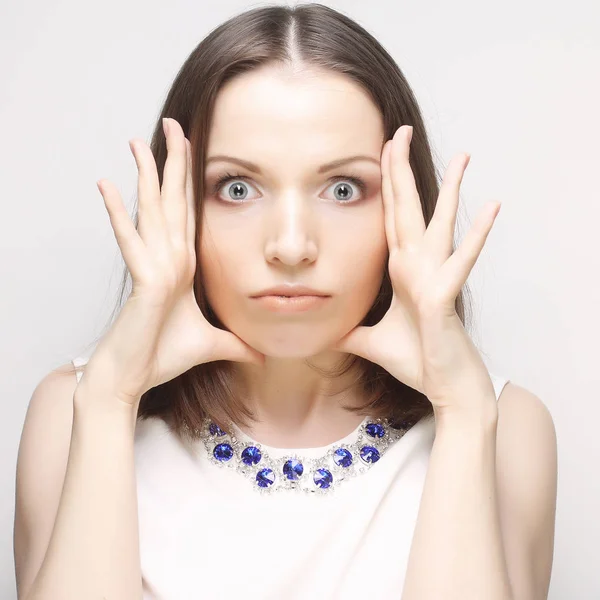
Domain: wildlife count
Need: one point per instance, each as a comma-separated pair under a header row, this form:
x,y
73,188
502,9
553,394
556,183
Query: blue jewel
x,y
342,457
216,430
251,455
369,454
265,478
323,478
375,430
293,469
223,452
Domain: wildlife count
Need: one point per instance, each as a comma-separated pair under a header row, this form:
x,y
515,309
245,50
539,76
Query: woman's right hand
x,y
160,332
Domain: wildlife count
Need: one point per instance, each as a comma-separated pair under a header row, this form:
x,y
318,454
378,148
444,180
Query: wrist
x,y
481,417
93,398
102,376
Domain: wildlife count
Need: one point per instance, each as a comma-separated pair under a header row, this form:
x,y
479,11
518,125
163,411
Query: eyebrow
x,y
322,169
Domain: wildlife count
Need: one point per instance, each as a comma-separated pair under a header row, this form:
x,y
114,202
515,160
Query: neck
x,y
297,406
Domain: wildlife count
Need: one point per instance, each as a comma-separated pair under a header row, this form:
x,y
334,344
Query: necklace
x,y
337,463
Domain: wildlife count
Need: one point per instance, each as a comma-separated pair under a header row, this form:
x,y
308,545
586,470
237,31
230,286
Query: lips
x,y
290,291
291,295
290,304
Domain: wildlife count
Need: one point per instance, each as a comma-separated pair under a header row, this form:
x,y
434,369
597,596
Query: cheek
x,y
216,267
365,250
362,267
366,268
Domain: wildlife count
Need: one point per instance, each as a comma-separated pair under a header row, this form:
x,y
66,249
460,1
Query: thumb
x,y
254,356
230,347
355,342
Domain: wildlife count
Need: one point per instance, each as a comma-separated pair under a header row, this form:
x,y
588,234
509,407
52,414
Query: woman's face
x,y
293,222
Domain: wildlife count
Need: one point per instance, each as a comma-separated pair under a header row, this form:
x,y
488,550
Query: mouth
x,y
288,304
299,295
289,290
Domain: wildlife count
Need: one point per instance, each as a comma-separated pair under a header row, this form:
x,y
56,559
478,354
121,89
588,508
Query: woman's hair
x,y
305,36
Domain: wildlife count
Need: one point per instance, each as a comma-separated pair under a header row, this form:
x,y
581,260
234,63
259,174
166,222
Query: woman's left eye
x,y
343,192
342,188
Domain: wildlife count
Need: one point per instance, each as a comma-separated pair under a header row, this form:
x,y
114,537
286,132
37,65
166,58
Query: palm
x,y
188,339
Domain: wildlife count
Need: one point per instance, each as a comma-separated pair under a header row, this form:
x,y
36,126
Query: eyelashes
x,y
359,182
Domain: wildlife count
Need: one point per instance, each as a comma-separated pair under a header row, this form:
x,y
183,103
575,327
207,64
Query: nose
x,y
290,232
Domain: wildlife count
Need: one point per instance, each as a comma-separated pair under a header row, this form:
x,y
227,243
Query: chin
x,y
300,340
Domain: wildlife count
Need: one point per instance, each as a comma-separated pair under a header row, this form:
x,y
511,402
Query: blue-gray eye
x,y
237,192
343,192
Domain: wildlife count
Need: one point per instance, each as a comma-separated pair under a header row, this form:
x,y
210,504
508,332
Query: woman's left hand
x,y
421,340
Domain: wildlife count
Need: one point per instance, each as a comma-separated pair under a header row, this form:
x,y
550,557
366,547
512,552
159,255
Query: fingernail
x,y
410,133
165,126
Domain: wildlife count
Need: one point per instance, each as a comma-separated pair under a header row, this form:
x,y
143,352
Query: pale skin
x,y
292,227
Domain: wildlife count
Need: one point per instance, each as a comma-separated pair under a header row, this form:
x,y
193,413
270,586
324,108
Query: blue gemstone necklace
x,y
309,474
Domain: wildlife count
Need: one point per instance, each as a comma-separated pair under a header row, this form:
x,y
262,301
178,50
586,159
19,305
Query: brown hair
x,y
310,35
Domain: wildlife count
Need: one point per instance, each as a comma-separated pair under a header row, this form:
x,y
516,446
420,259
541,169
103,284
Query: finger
x,y
440,232
358,341
387,194
130,243
229,347
191,203
409,221
456,269
173,192
148,191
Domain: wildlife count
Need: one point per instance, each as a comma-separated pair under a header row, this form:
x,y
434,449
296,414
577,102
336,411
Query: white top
x,y
206,533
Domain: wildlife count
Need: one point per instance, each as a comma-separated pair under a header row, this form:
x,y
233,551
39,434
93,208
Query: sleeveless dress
x,y
206,533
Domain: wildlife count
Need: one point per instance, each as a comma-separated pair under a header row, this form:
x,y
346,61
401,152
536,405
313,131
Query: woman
x,y
288,404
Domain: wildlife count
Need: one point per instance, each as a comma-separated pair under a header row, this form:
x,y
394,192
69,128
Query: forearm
x,y
94,549
457,551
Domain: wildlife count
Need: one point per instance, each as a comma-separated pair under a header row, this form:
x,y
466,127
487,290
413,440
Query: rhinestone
x,y
265,478
293,469
223,452
369,454
323,478
375,430
216,430
342,457
251,455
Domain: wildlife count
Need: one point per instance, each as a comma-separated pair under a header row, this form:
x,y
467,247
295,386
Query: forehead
x,y
271,114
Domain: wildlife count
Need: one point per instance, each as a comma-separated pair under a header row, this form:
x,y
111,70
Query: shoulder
x,y
525,427
515,397
57,385
49,414
41,466
526,474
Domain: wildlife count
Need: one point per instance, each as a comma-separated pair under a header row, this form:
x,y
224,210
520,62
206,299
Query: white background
x,y
516,84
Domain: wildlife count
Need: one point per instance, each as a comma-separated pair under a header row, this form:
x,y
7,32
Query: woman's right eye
x,y
237,192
